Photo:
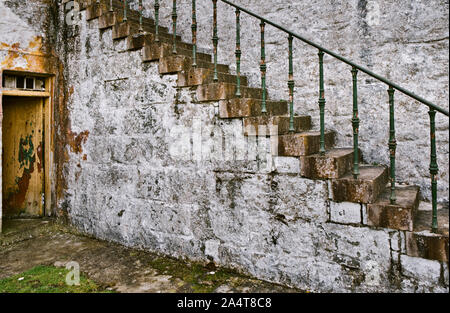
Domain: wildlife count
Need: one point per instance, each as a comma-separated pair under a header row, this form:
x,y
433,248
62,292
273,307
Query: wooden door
x,y
23,173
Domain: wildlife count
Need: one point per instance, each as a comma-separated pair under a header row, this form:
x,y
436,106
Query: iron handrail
x,y
341,58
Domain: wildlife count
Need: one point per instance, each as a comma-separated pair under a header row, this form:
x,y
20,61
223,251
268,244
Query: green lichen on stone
x,y
198,278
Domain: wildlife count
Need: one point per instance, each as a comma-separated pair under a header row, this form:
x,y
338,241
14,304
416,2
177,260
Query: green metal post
x,y
215,39
321,104
291,86
141,8
238,53
355,124
174,26
433,171
125,9
392,142
156,20
194,35
263,68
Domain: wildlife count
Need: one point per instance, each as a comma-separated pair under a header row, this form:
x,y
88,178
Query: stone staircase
x,y
371,189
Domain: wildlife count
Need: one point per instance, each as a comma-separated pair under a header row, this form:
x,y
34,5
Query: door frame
x,y
47,96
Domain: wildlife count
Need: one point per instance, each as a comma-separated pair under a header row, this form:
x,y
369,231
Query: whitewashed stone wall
x,y
404,41
127,186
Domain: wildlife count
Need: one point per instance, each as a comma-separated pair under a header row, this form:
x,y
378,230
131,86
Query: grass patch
x,y
46,279
200,278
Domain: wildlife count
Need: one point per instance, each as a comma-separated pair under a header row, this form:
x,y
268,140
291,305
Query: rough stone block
x,y
421,269
223,91
92,11
122,30
244,107
199,76
365,189
396,216
333,164
345,212
286,165
301,144
177,63
427,245
106,20
398,242
301,123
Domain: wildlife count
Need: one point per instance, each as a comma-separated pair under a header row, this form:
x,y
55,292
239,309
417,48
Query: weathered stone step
x,y
396,216
156,51
177,63
425,244
199,76
95,10
138,41
223,91
335,163
246,107
301,144
124,29
365,189
260,125
107,20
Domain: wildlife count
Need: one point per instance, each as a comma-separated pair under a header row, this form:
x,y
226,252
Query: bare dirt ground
x,y
27,243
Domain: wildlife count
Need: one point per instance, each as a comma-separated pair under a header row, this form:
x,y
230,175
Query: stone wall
x,y
133,181
406,42
125,174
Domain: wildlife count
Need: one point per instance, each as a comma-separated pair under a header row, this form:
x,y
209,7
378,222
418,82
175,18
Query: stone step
x,y
365,189
134,15
335,163
396,216
107,20
200,76
118,8
156,51
223,91
138,41
425,244
178,63
246,107
125,29
93,11
301,144
260,125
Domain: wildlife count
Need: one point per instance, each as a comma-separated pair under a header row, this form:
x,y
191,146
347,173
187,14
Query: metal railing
x,y
433,108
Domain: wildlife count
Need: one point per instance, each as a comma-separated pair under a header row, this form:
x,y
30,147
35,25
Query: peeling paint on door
x,y
22,144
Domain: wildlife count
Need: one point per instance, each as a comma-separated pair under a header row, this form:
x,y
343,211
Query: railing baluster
x,y
263,68
291,86
125,9
321,104
174,25
433,170
355,124
111,6
238,53
194,35
215,39
141,8
392,142
156,20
